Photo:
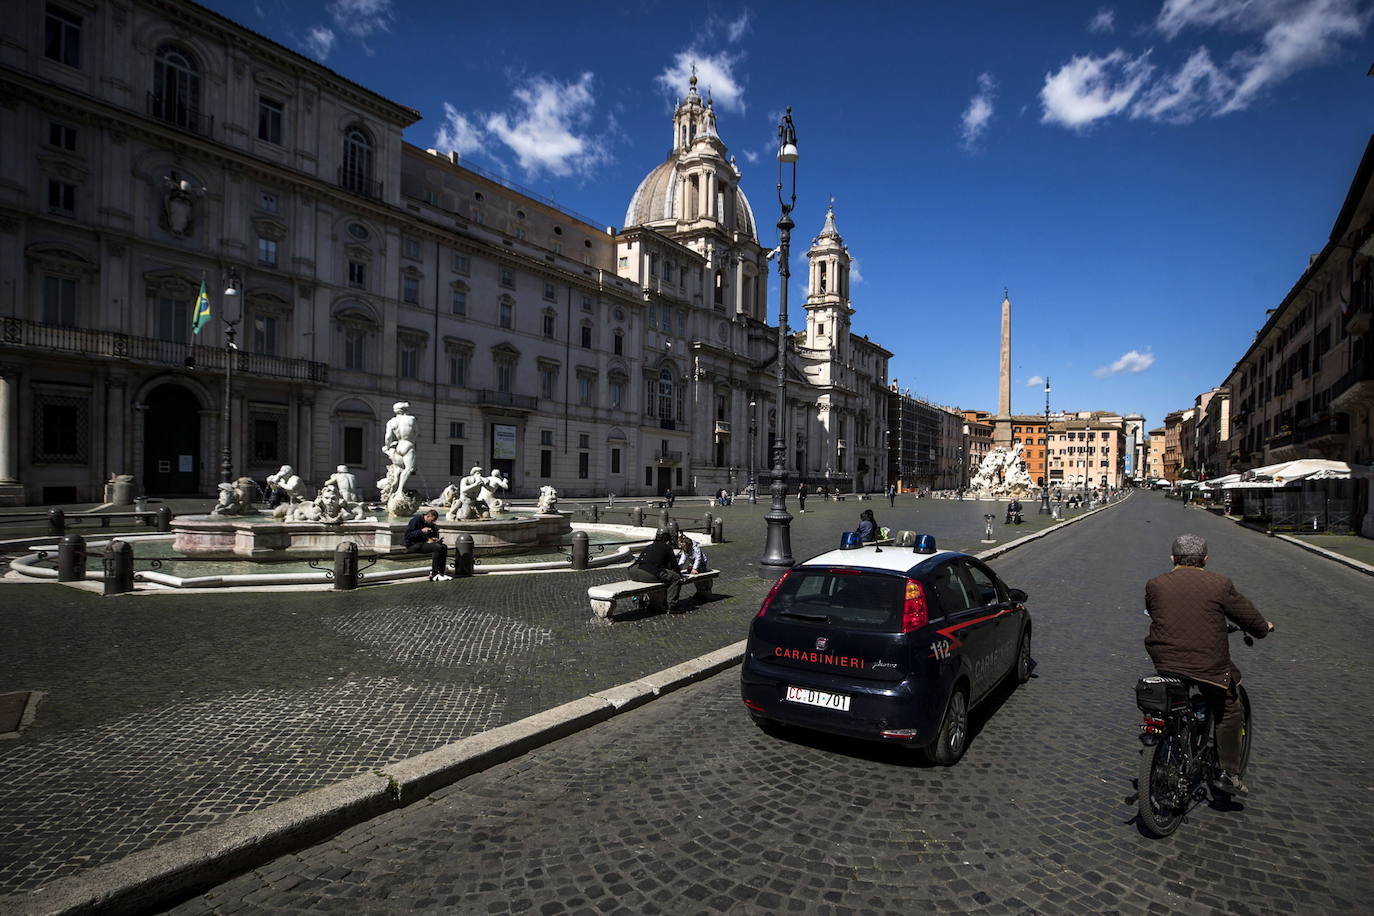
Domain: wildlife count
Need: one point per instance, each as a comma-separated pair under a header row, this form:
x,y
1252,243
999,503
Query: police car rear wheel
x,y
949,744
1023,659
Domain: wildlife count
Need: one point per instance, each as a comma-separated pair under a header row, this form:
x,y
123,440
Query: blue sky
x,y
1146,178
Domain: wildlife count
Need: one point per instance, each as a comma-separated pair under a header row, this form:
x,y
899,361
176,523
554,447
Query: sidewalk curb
x,y
173,871
994,552
1329,554
177,870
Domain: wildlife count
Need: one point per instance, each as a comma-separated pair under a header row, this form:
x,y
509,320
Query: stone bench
x,y
607,599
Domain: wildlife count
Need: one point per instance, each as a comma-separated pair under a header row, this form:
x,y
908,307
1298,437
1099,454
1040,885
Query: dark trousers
x,y
670,576
438,556
1229,715
801,502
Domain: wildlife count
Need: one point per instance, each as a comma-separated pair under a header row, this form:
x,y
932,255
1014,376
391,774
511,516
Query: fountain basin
x,y
264,538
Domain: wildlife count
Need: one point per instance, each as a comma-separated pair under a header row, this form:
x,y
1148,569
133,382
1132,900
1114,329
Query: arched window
x,y
176,88
356,172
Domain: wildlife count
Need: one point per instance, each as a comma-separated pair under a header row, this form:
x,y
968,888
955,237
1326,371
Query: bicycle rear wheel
x,y
1161,802
1246,730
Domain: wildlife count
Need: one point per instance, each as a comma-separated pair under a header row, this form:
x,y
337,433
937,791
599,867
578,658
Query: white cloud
x,y
749,156
1131,361
1089,88
736,30
1103,21
1035,381
546,131
855,275
361,18
715,73
1293,35
1196,89
319,41
979,112
458,133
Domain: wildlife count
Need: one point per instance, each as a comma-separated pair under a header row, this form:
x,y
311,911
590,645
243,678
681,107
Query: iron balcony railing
x,y
355,181
22,334
506,399
668,457
177,112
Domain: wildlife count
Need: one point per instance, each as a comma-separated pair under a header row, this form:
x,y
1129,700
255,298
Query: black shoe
x,y
1229,784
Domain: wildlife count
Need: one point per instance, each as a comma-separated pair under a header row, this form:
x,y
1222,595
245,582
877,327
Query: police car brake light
x,y
763,609
914,614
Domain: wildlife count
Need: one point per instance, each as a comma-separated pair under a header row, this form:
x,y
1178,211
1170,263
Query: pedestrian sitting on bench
x,y
422,536
657,564
692,557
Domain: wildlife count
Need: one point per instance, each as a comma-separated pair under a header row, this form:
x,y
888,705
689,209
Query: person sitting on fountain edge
x,y
1013,512
422,536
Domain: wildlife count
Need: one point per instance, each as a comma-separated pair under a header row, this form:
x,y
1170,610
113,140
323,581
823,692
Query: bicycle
x,y
1178,760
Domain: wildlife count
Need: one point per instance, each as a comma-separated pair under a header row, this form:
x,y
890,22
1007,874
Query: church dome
x,y
655,202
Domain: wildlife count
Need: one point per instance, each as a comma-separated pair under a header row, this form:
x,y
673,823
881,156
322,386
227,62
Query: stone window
x,y
266,437
505,313
549,292
61,433
357,275
548,379
461,264
62,36
176,88
267,252
60,301
410,289
356,172
61,197
618,344
270,113
550,323
586,337
62,136
411,248
459,300
507,278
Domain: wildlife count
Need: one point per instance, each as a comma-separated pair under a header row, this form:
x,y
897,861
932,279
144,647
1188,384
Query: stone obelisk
x,y
1001,424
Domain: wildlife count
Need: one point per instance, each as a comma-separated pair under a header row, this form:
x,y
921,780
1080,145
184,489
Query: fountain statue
x,y
490,486
235,498
1002,473
548,501
328,508
446,498
287,486
398,444
464,507
345,483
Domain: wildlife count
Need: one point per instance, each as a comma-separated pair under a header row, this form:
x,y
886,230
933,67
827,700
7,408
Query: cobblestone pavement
x,y
684,806
163,714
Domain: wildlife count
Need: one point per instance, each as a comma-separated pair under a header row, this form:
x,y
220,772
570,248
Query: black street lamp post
x,y
1045,482
231,290
777,551
753,447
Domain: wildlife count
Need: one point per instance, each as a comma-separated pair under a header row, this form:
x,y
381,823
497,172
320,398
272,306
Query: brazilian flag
x,y
200,317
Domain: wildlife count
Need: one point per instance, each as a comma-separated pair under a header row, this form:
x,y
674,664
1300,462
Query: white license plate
x,y
818,698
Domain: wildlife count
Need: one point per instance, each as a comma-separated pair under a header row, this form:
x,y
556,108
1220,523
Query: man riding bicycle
x,y
1188,609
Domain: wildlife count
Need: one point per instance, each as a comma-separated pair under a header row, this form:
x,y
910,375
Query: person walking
x,y
668,497
656,563
892,495
801,496
422,536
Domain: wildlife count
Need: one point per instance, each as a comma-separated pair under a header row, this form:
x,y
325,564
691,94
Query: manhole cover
x,y
12,708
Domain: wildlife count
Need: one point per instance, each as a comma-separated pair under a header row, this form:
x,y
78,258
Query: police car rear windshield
x,y
840,597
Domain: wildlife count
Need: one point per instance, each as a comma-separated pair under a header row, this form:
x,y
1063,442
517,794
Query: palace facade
x,y
153,146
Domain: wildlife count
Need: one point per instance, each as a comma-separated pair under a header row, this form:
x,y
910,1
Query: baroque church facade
x,y
148,147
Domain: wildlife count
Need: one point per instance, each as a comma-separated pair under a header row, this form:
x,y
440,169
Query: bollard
x,y
345,566
674,529
164,519
637,516
71,559
119,568
596,512
462,555
57,523
707,520
579,550
718,531
663,518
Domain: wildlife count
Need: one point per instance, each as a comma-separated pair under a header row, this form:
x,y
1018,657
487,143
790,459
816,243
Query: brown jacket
x,y
1188,609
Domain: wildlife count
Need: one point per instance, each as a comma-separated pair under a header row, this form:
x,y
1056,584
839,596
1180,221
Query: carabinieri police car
x,y
886,643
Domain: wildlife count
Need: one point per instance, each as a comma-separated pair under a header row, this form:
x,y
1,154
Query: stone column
x,y
306,440
11,490
116,407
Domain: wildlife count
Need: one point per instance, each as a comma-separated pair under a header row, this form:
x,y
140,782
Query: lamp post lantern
x,y
231,291
777,551
1045,482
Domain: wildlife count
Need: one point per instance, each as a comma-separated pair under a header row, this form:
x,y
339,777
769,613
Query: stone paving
x,y
165,714
684,807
